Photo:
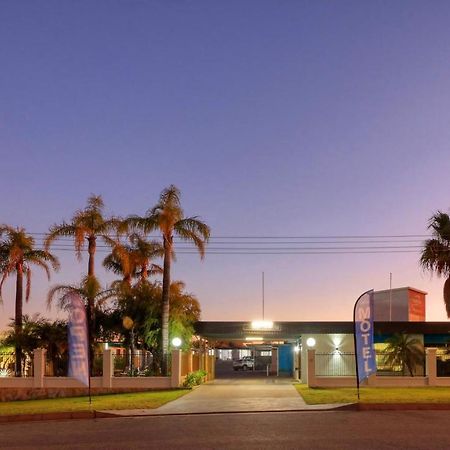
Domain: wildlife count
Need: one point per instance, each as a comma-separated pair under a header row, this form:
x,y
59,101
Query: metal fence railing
x,y
136,364
58,365
384,368
7,364
443,362
338,364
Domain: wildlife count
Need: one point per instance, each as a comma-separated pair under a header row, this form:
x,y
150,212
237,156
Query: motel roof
x,y
292,330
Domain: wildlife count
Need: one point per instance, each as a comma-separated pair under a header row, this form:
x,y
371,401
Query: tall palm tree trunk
x,y
18,319
91,307
144,272
92,245
165,305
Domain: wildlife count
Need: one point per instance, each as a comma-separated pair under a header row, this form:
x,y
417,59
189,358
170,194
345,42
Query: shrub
x,y
194,378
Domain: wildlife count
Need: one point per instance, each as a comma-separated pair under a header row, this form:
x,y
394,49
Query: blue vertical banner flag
x,y
364,348
78,340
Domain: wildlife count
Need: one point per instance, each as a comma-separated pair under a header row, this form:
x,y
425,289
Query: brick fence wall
x,y
40,386
431,378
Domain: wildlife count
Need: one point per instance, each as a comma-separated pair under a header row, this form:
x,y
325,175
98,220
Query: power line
x,y
276,245
69,242
191,247
373,236
286,251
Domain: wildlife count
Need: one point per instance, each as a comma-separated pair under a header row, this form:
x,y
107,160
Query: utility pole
x,y
263,296
390,296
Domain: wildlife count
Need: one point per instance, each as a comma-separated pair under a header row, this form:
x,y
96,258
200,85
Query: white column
x,y
108,370
431,366
176,368
311,368
39,367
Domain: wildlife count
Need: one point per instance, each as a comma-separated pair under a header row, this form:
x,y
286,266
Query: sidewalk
x,y
221,396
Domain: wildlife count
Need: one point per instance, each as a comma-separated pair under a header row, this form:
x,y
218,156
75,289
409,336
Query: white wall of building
x,y
335,344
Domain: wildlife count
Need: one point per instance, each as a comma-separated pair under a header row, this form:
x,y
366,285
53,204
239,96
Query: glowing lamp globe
x,y
176,341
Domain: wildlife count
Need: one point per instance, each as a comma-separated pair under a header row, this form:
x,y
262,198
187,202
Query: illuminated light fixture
x,y
252,338
176,341
310,342
297,348
262,325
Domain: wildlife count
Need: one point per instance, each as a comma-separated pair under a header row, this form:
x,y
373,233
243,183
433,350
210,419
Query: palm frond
x,y
170,196
440,224
192,229
57,231
62,291
95,203
436,257
146,224
37,256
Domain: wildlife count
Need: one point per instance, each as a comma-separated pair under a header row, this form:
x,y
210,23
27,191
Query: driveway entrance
x,y
241,393
244,392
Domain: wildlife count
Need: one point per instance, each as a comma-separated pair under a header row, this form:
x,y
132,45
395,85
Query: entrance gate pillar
x,y
274,364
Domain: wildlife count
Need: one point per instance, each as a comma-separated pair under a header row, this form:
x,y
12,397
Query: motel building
x,y
281,348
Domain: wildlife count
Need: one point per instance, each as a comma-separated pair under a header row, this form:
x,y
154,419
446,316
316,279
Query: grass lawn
x,y
135,400
315,396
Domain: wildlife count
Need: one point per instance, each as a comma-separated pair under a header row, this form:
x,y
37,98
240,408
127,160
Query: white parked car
x,y
245,363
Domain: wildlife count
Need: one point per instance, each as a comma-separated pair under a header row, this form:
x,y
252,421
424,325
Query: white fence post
x,y
189,361
39,367
431,366
311,368
176,368
107,368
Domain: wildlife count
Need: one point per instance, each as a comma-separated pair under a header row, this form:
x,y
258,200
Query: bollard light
x,y
176,342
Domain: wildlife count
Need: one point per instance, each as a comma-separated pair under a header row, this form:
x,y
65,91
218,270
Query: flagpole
x,y
354,342
354,338
89,358
80,359
89,382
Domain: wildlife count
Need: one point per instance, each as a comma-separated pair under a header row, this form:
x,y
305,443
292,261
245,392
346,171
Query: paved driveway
x,y
237,394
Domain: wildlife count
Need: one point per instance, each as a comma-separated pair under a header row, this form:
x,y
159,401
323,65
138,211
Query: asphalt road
x,y
305,430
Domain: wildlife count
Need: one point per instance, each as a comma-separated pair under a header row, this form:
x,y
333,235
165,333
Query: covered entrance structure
x,y
282,350
261,347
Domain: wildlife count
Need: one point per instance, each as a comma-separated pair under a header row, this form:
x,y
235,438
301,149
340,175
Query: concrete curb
x,y
54,416
402,406
213,413
111,415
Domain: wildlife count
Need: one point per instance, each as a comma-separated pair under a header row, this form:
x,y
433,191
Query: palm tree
x,y
87,225
184,312
436,252
38,332
18,255
167,216
91,293
405,351
133,260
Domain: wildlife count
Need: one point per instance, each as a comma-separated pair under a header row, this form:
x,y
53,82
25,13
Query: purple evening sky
x,y
273,118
